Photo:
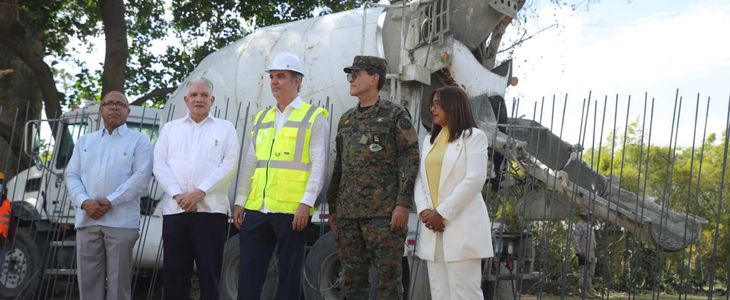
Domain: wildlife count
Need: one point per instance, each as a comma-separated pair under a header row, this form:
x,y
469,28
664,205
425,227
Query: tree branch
x,y
491,50
524,39
8,133
16,41
490,57
153,94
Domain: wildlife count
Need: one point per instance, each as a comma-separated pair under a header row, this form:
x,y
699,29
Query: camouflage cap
x,y
368,62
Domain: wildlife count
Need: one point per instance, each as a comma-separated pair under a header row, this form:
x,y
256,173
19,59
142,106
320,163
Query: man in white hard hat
x,y
282,175
584,242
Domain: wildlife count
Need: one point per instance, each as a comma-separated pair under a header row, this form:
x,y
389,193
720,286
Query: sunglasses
x,y
355,73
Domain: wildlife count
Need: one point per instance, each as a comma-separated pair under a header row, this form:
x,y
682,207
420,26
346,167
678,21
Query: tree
x,y
35,35
38,33
494,43
692,188
19,48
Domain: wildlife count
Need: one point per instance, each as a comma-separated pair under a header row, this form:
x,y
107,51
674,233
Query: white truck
x,y
428,44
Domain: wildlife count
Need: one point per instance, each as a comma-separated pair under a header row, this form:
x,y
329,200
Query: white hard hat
x,y
286,61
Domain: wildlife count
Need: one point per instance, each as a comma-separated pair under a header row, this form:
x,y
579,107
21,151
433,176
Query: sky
x,y
627,48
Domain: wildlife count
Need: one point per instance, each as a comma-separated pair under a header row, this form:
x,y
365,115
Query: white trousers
x,y
454,280
104,258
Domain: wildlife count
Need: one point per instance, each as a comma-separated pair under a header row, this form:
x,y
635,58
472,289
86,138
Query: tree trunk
x,y
117,50
491,50
490,55
23,91
8,15
20,100
21,45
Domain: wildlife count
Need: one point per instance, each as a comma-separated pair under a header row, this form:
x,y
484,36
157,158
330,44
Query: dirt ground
x,y
616,296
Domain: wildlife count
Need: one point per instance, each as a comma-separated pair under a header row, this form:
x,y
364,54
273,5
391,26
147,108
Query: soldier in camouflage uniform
x,y
584,242
372,184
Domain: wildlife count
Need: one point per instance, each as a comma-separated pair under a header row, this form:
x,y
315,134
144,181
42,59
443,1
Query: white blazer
x,y
463,173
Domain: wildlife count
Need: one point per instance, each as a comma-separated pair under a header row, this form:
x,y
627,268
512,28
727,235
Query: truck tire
x,y
229,273
322,278
22,268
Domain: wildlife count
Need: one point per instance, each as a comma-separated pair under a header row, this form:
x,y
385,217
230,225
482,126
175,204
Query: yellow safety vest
x,y
283,165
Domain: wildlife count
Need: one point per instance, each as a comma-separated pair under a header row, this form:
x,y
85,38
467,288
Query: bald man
x,y
108,172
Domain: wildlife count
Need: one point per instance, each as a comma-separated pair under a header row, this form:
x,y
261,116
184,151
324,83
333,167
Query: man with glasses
x,y
372,184
108,172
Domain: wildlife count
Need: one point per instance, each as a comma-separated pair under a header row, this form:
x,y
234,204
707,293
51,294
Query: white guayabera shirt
x,y
114,166
191,155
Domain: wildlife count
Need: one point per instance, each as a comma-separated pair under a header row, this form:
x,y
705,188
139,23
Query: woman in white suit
x,y
455,228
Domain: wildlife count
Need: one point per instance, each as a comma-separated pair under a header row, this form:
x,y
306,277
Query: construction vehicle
x,y
428,44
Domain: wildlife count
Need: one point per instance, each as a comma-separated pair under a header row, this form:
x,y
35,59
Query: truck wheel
x,y
322,278
229,273
22,268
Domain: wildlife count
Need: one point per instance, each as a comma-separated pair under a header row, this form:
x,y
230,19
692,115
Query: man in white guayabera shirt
x,y
195,159
108,172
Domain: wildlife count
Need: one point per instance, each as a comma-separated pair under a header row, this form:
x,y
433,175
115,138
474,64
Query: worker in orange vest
x,y
4,219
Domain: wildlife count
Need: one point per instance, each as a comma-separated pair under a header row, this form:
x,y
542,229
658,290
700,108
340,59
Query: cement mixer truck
x,y
428,44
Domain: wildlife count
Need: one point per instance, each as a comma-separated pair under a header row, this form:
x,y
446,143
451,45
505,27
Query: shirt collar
x,y
120,131
189,119
374,108
297,103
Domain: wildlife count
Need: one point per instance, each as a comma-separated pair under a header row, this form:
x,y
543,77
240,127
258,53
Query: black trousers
x,y
188,237
261,233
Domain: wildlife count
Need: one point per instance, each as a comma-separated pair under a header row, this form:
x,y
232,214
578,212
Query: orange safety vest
x,y
4,218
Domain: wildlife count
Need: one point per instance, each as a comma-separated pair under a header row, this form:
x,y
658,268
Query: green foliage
x,y
184,31
686,180
551,256
199,28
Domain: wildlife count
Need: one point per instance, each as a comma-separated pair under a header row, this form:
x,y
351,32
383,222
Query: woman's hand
x,y
426,214
433,220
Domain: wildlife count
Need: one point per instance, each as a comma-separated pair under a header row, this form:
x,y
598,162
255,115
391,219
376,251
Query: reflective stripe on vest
x,y
283,164
4,218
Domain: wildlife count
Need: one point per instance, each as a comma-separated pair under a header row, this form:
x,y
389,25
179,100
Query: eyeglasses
x,y
354,74
113,104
